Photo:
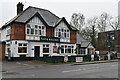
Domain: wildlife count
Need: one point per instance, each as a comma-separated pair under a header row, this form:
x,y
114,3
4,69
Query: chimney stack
x,y
19,8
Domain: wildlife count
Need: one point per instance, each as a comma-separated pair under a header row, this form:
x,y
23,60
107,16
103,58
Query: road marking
x,y
114,65
71,70
18,62
26,64
79,69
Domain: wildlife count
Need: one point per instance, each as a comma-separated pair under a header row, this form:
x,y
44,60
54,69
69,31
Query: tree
x,y
90,31
85,33
77,20
93,25
114,23
103,22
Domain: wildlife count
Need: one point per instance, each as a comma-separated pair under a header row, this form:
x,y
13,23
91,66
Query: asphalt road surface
x,y
31,69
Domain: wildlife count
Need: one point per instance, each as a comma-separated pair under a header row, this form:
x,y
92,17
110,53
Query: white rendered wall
x,y
4,33
62,25
35,21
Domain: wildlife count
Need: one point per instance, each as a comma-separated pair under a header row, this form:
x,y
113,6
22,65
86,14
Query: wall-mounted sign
x,y
49,39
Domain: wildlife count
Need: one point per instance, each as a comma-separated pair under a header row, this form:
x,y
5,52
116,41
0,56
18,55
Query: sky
x,y
61,8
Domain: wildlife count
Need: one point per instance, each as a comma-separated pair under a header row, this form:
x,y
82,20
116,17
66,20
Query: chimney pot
x,y
19,7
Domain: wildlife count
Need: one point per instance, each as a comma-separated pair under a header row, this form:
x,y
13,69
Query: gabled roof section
x,y
24,16
46,16
84,43
80,38
39,16
64,20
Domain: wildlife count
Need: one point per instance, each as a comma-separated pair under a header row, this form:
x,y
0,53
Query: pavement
x,y
94,62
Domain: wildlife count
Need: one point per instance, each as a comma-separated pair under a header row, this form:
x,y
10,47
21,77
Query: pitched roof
x,y
81,41
80,38
50,18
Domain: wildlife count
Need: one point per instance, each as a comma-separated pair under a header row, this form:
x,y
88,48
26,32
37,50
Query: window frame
x,y
62,32
21,45
46,46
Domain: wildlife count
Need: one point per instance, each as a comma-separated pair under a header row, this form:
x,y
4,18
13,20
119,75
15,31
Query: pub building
x,y
35,33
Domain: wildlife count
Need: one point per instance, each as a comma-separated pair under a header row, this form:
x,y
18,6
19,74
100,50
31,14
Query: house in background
x,y
84,47
36,33
109,42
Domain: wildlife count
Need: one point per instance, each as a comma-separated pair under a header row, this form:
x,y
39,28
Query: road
x,y
30,69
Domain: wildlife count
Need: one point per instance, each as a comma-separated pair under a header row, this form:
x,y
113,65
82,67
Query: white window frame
x,y
22,46
46,46
62,32
66,47
36,32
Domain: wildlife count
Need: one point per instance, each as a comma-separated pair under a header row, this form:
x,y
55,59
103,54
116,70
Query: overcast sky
x,y
61,8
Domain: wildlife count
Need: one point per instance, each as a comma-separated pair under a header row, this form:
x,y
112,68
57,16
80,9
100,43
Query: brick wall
x,y
49,32
73,37
2,51
17,31
102,41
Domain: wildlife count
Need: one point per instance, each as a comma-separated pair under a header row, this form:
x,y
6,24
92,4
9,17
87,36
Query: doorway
x,y
37,51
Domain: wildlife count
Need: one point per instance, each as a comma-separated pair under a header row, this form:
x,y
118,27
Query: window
x,y
8,32
39,32
36,26
82,51
22,48
72,48
45,48
59,34
64,33
32,31
35,30
67,34
28,29
68,49
8,47
62,49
